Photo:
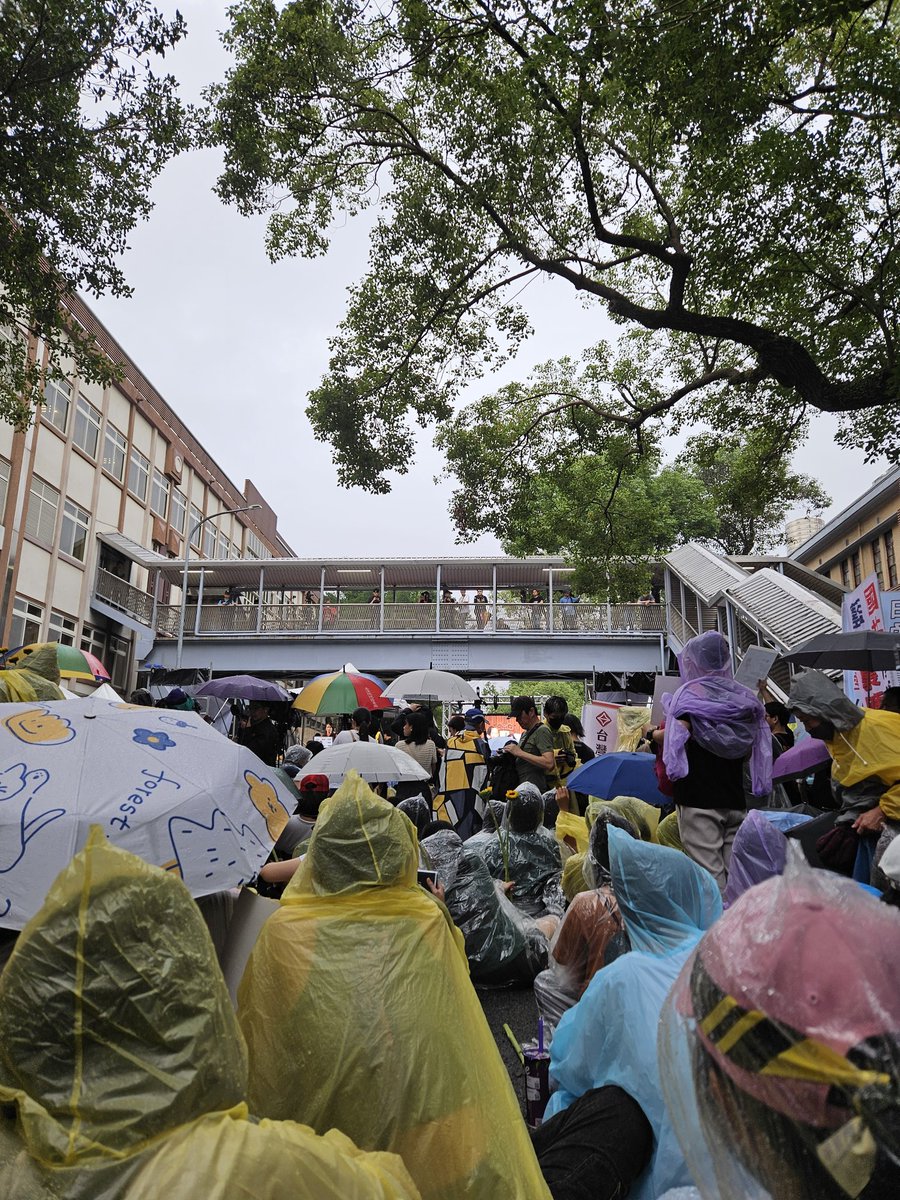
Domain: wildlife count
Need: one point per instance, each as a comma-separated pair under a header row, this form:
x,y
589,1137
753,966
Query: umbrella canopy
x,y
341,692
243,687
73,663
800,760
432,685
164,785
619,774
865,650
373,761
104,692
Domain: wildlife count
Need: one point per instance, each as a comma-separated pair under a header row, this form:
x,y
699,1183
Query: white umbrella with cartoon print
x,y
164,785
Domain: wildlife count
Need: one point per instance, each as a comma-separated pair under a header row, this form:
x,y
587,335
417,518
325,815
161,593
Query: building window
x,y
223,546
43,505
93,641
61,629
86,434
857,568
196,527
255,548
876,559
209,540
115,451
26,622
159,494
73,537
138,474
177,510
889,558
845,573
117,662
57,398
4,486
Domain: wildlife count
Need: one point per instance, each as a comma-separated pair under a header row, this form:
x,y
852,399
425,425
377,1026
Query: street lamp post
x,y
225,512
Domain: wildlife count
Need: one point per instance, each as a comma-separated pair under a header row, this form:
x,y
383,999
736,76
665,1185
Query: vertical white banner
x,y
601,729
863,609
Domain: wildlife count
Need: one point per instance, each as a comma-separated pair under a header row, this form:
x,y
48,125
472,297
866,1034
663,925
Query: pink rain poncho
x,y
727,719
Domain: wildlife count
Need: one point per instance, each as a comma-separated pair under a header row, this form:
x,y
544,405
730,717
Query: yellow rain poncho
x,y
120,1052
643,816
630,724
871,748
360,1016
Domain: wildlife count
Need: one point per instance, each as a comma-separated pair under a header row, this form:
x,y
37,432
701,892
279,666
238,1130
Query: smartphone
x,y
422,876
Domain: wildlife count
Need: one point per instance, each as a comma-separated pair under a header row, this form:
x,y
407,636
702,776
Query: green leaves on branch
x,y
87,126
552,466
721,175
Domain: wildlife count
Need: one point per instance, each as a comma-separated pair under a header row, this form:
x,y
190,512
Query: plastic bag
x,y
779,1045
122,1054
666,902
359,1014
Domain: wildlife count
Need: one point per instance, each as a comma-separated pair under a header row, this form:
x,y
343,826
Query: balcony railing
x,y
304,619
120,594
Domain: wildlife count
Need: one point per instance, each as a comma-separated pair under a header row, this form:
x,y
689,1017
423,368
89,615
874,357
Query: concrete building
x,y
797,531
863,538
108,482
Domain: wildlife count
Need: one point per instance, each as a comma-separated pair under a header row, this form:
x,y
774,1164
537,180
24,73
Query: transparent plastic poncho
x,y
780,1045
524,851
758,852
360,1015
121,1055
666,902
503,946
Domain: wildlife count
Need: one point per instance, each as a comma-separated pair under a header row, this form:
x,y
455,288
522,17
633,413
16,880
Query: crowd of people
x,y
718,985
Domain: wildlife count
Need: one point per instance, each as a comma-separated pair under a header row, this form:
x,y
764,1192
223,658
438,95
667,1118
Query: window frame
x,y
50,408
158,482
173,507
146,472
80,519
107,438
91,418
23,605
58,624
36,534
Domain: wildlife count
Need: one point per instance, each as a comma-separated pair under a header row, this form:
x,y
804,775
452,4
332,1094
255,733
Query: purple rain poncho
x,y
727,719
759,851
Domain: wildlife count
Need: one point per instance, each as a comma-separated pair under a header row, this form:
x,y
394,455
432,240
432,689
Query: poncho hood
x,y
815,694
360,841
666,900
115,1023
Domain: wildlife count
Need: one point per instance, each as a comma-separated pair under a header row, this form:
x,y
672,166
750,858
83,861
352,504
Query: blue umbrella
x,y
619,774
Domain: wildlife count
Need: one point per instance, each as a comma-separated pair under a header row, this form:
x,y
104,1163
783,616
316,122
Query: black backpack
x,y
504,776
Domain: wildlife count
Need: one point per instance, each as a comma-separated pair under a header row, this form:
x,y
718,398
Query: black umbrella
x,y
865,650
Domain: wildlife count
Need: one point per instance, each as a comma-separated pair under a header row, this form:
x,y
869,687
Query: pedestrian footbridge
x,y
295,617
481,617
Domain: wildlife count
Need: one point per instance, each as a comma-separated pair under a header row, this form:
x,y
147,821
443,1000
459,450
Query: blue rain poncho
x,y
609,1037
727,719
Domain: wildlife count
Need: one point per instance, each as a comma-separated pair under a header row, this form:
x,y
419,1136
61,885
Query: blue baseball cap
x,y
473,716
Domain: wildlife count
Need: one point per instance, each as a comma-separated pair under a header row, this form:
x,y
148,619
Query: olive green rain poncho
x,y
360,1016
122,1070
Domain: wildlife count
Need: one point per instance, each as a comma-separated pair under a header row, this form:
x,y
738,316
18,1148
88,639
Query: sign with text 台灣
x,y
601,727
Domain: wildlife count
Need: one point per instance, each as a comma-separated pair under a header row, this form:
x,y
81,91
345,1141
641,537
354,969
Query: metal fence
x,y
562,619
118,593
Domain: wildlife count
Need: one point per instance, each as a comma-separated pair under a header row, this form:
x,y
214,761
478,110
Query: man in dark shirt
x,y
260,734
534,754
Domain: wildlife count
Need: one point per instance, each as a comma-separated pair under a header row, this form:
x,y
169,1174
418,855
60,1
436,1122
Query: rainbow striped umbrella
x,y
341,692
73,663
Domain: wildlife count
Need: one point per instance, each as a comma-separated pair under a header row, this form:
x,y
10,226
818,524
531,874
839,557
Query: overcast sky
x,y
234,343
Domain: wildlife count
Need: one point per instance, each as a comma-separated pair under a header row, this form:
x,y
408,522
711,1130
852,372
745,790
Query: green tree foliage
x,y
87,125
556,477
750,488
723,176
